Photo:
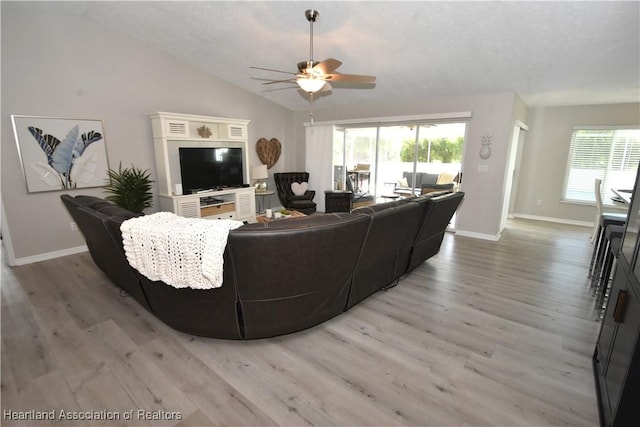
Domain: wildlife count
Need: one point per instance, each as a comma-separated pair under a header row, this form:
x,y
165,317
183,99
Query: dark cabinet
x,y
617,356
624,353
616,359
337,201
609,327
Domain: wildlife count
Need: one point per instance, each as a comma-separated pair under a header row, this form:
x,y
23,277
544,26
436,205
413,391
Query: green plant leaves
x,y
130,188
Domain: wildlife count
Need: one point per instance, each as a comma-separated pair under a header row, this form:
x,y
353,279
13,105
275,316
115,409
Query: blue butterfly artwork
x,y
67,164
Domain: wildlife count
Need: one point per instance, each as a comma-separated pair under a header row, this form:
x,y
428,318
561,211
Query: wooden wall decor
x,y
268,151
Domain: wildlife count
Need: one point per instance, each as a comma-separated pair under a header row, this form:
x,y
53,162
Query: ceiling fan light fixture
x,y
309,84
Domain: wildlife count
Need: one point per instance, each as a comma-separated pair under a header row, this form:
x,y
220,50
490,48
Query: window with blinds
x,y
610,154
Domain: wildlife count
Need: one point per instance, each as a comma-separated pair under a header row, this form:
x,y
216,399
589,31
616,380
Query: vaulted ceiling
x,y
550,53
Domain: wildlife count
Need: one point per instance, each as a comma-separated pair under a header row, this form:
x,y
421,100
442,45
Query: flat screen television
x,y
205,168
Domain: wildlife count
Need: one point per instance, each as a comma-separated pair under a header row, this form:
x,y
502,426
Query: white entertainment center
x,y
172,131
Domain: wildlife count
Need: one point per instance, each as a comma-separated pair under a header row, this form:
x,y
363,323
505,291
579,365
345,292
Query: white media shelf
x,y
235,203
172,131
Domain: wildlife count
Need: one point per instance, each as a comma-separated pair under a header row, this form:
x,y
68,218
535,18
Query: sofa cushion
x,y
391,232
422,178
305,206
439,211
106,252
376,208
279,296
85,200
295,223
404,200
428,179
301,197
113,210
402,182
88,200
103,206
445,178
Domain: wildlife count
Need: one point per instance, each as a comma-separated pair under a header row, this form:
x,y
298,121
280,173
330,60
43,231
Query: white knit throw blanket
x,y
182,252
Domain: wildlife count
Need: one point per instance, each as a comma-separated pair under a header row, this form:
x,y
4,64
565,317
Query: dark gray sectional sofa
x,y
282,276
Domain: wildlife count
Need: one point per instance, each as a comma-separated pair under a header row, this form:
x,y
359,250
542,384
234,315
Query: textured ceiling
x,y
550,53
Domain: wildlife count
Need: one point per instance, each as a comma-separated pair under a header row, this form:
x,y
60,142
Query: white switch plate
x,y
483,168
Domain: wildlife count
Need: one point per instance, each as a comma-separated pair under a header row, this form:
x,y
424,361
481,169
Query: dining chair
x,y
600,281
601,222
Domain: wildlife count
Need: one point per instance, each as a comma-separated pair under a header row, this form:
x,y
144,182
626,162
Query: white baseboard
x,y
556,220
473,234
49,255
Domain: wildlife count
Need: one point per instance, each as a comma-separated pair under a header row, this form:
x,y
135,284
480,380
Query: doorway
x,y
513,168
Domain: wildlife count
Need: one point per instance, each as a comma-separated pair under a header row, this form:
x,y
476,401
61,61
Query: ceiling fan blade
x,y
279,81
328,65
351,78
271,69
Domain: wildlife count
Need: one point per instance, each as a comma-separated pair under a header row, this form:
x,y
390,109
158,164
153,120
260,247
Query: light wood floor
x,y
483,334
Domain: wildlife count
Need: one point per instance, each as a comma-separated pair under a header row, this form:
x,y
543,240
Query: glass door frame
x,y
418,124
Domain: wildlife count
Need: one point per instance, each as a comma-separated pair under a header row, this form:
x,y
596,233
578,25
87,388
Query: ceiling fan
x,y
313,76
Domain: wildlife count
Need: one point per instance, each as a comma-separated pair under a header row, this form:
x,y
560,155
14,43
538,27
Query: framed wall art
x,y
61,154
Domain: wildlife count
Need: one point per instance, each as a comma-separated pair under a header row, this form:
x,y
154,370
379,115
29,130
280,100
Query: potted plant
x,y
129,188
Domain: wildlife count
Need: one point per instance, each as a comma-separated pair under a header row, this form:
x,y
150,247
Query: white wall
x,y
61,66
545,154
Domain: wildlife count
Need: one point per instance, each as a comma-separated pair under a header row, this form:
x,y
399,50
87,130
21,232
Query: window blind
x,y
609,154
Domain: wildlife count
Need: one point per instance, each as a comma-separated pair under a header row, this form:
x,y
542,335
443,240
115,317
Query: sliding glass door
x,y
399,160
396,146
440,150
360,156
